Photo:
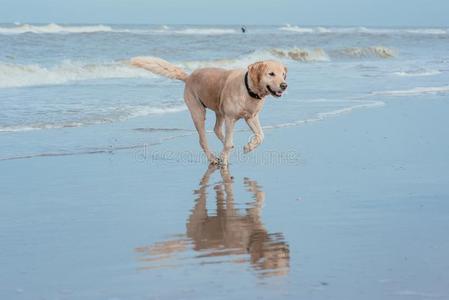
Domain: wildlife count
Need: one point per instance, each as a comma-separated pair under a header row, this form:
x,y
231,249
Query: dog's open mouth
x,y
273,93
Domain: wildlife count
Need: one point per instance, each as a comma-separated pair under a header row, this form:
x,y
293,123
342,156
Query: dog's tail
x,y
160,67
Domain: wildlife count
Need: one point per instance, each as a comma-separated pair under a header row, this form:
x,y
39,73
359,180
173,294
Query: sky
x,y
300,12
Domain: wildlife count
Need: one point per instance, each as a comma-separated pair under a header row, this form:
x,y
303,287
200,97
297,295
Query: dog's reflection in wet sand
x,y
226,236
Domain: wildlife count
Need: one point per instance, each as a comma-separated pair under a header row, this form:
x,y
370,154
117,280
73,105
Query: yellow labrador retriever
x,y
231,94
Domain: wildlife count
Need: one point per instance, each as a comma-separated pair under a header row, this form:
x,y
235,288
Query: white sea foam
x,y
415,91
319,54
364,30
109,115
300,54
432,31
417,73
238,62
203,31
30,127
360,105
376,51
60,29
166,30
295,54
356,104
13,75
54,28
133,111
17,75
298,29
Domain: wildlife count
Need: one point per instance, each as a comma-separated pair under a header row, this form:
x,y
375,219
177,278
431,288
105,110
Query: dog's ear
x,y
256,71
286,71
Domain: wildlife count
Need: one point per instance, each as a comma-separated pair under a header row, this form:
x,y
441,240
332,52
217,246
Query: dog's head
x,y
268,77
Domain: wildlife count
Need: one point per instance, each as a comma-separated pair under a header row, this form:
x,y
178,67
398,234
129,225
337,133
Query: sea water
x,y
69,89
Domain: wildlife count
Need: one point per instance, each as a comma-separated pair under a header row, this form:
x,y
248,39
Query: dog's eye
x,y
272,74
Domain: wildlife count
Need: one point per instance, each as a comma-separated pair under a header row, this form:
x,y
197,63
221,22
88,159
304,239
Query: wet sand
x,y
353,207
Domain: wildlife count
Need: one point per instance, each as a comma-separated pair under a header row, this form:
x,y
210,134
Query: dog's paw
x,y
222,162
247,148
213,160
225,168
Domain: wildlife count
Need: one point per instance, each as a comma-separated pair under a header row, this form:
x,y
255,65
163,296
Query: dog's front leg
x,y
258,136
228,144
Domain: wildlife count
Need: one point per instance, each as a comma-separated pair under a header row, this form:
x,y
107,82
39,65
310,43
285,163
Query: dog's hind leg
x,y
218,127
198,113
228,144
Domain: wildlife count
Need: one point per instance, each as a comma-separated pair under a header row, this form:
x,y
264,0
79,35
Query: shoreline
x,y
363,212
140,121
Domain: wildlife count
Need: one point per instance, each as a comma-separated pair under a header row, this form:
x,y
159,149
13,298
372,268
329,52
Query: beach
x,y
106,194
362,210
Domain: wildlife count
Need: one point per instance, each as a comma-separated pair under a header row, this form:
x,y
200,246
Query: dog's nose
x,y
283,86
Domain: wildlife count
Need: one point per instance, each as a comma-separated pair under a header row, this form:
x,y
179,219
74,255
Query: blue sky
x,y
301,12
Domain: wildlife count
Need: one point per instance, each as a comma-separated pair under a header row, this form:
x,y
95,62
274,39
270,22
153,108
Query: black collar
x,y
251,93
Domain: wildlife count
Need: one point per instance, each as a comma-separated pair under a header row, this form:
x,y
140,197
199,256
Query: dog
x,y
231,94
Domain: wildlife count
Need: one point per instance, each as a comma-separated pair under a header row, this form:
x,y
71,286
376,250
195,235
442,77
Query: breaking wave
x,y
298,54
54,28
295,54
13,75
60,29
319,54
377,51
195,31
432,31
364,30
417,73
17,75
298,29
416,91
302,55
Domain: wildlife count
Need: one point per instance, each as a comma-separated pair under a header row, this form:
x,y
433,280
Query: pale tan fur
x,y
160,67
224,92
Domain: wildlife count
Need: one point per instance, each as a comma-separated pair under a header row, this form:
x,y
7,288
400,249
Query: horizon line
x,y
18,23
